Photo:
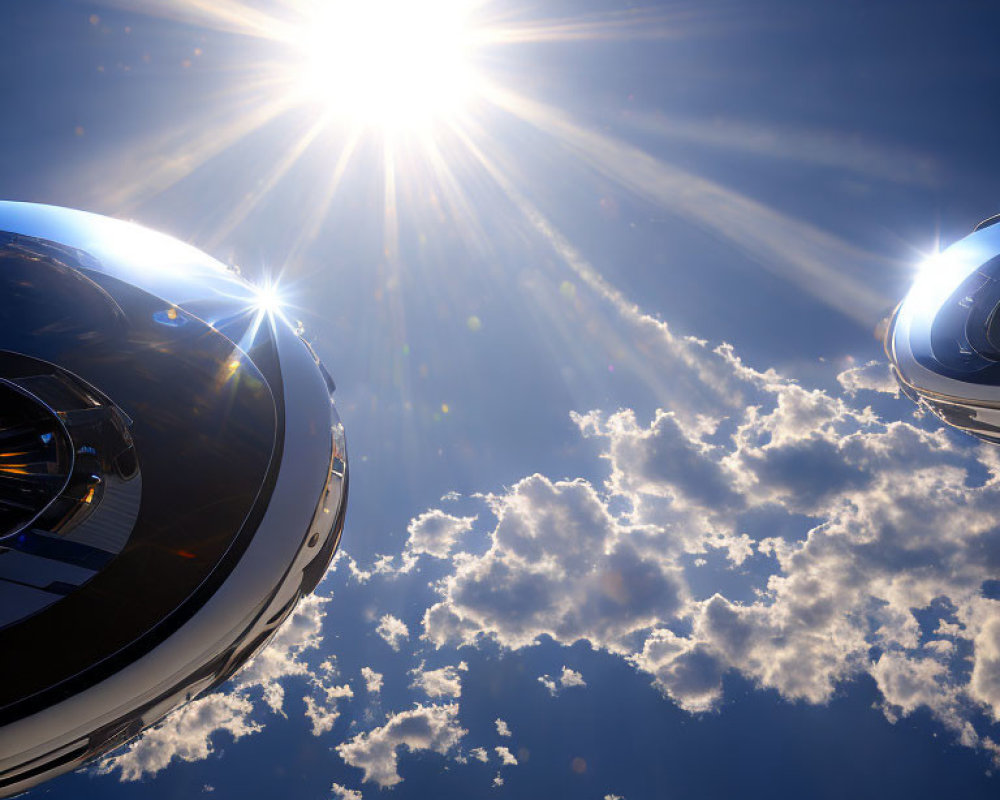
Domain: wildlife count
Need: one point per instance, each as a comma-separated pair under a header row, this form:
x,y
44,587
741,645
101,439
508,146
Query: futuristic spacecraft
x,y
943,340
173,478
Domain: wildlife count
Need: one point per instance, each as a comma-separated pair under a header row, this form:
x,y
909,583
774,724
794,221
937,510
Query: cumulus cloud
x,y
559,565
873,377
435,683
393,630
322,709
436,533
984,684
373,680
480,754
571,678
433,727
839,524
358,574
567,680
283,657
506,757
343,793
186,735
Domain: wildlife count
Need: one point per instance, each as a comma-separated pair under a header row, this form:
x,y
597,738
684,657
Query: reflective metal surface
x,y
86,522
185,481
944,339
36,458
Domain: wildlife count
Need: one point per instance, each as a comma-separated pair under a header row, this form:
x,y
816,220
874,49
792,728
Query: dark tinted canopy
x,y
203,422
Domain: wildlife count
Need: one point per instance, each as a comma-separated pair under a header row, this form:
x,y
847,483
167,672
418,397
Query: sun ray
x,y
152,166
631,24
347,57
799,252
390,214
611,337
459,207
227,16
316,216
814,147
243,209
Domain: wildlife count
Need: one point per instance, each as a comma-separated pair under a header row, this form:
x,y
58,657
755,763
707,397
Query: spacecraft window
x,y
36,458
964,340
204,435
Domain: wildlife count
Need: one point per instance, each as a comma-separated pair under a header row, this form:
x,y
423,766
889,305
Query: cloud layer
x,y
850,532
432,727
786,533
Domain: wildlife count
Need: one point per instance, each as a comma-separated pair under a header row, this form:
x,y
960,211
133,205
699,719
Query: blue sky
x,y
627,469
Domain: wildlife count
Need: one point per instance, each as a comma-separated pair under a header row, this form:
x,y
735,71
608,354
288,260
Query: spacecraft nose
x,y
173,478
944,339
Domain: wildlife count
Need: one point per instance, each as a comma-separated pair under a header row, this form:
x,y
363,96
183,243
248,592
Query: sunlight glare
x,y
267,299
387,63
938,276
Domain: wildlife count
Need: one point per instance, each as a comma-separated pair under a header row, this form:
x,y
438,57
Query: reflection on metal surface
x,y
36,458
944,339
158,445
96,504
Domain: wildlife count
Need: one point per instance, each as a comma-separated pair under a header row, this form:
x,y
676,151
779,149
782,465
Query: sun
x,y
387,63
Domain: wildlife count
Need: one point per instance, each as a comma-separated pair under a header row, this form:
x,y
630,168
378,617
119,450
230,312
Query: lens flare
x,y
268,299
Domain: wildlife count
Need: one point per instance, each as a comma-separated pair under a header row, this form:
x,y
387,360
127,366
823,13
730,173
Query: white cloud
x,y
322,717
567,680
684,669
497,780
358,574
506,757
343,793
435,683
480,754
393,630
432,727
873,377
984,685
373,680
185,735
322,709
858,533
283,657
560,564
571,678
436,533
328,666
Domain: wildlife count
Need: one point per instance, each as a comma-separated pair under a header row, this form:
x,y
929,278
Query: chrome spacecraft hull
x,y
129,593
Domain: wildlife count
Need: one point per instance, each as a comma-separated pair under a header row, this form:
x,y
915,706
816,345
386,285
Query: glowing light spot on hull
x,y
268,299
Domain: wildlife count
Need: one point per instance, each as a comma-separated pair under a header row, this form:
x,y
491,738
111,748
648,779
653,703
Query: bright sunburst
x,y
413,90
386,63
